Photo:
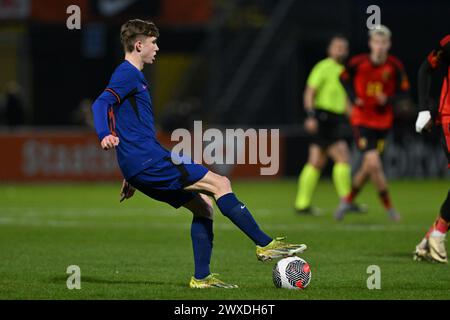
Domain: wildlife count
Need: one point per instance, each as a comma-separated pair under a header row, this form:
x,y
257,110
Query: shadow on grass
x,y
88,279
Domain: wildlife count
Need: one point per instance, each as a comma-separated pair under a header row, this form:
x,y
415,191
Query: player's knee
x,y
316,163
340,153
342,156
316,158
373,166
373,163
223,185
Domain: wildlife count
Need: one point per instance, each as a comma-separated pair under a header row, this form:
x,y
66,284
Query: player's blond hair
x,y
380,30
133,29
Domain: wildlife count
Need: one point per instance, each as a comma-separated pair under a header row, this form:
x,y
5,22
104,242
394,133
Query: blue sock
x,y
237,212
202,242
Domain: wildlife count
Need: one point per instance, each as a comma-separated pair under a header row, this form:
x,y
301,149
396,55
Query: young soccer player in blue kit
x,y
123,118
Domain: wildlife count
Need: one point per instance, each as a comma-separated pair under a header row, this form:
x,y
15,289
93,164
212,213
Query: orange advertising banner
x,y
56,10
176,12
55,156
75,155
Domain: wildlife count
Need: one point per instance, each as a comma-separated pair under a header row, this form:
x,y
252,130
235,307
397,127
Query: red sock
x,y
441,225
352,195
385,199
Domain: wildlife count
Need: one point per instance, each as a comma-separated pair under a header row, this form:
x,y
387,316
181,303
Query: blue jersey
x,y
124,109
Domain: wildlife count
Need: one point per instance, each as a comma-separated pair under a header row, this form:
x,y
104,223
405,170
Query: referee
x,y
325,102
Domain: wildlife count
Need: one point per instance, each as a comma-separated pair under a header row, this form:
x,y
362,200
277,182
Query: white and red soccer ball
x,y
291,273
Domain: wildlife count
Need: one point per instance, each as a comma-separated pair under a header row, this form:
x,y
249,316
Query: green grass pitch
x,y
141,249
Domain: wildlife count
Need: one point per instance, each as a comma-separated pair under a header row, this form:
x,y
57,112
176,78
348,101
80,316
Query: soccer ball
x,y
291,273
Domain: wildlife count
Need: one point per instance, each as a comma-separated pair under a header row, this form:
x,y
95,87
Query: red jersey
x,y
440,58
365,80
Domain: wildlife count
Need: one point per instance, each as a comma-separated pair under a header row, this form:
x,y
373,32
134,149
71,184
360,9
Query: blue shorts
x,y
164,181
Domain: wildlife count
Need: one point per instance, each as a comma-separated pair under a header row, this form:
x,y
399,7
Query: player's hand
x,y
311,125
109,142
424,121
127,190
359,102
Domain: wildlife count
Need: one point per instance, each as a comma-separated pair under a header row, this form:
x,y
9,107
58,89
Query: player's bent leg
x,y
435,237
230,206
361,175
360,179
237,212
342,178
347,203
211,184
308,180
375,167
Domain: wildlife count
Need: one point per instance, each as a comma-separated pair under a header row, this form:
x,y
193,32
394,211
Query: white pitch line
x,y
104,212
22,221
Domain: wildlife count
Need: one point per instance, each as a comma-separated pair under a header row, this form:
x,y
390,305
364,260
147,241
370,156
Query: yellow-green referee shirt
x,y
330,94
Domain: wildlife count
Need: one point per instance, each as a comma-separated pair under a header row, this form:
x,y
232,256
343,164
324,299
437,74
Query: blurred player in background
x,y
123,118
432,245
374,82
325,103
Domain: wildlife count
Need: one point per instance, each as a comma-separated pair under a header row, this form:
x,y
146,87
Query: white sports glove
x,y
422,120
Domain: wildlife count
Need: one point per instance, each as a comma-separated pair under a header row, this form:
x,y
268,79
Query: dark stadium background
x,y
239,63
232,64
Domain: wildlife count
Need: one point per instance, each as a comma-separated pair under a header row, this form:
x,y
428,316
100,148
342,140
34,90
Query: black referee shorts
x,y
333,127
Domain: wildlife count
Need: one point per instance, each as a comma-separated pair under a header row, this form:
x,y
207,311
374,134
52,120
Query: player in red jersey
x,y
432,246
373,83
